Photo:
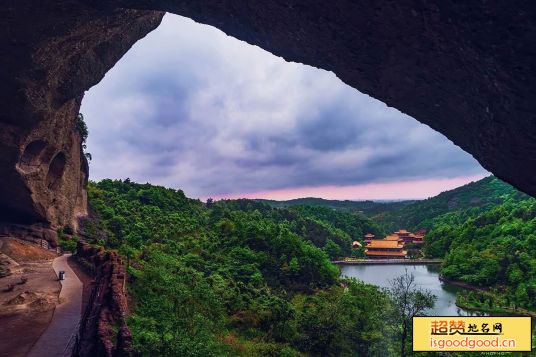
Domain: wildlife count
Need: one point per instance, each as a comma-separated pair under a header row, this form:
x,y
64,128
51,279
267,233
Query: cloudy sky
x,y
191,108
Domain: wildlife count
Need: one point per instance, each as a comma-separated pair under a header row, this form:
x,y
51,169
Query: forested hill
x,y
470,199
319,225
368,208
242,278
465,201
494,249
235,277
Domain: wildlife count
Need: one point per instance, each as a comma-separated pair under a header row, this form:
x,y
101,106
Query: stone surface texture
x,y
103,329
50,53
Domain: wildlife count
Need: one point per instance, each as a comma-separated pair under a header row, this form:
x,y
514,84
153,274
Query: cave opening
x,y
192,108
31,157
55,171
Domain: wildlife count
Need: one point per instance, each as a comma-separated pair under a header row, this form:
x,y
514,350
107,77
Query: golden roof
x,y
392,237
382,243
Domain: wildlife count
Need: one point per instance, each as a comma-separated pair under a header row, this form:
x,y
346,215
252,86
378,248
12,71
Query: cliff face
x,y
103,328
50,54
44,172
467,69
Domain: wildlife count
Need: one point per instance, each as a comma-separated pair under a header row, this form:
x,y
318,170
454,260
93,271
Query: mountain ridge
x,y
475,196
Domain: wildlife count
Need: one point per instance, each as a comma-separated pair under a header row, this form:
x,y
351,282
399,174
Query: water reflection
x,y
426,276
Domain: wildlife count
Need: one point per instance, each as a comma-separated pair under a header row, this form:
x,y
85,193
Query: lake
x,y
426,276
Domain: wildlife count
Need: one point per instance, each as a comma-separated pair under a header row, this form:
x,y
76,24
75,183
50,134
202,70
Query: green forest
x,y
485,231
496,248
251,277
460,203
237,277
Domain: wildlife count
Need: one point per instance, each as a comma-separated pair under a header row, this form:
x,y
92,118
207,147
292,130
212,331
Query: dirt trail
x,y
29,292
66,315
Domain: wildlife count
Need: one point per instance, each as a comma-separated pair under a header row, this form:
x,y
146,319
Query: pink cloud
x,y
416,189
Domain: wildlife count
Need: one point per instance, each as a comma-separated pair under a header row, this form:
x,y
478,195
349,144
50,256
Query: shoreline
x,y
388,262
442,279
502,311
461,284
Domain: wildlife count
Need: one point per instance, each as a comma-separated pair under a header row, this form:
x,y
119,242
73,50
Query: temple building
x,y
406,236
394,237
419,236
385,249
369,237
409,237
392,246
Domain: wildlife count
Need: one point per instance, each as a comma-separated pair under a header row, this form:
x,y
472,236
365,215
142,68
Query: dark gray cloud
x,y
192,108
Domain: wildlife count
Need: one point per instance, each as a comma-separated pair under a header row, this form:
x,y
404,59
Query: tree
x,y
408,301
210,203
177,310
332,249
81,127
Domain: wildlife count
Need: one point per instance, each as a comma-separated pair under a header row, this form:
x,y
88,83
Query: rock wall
x,y
37,233
50,53
465,68
103,328
44,171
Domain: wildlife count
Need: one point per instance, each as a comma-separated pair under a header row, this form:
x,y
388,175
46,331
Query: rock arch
x,y
465,68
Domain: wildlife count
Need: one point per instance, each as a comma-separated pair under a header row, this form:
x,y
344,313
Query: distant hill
x,y
368,208
470,199
492,245
314,223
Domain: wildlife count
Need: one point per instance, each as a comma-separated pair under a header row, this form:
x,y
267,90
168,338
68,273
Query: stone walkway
x,y
388,261
66,315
